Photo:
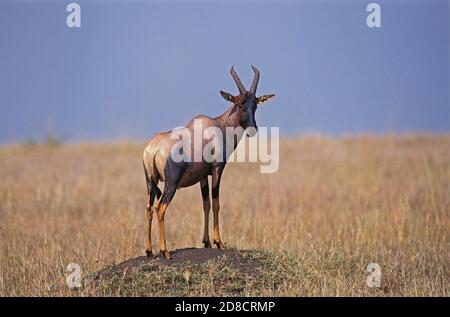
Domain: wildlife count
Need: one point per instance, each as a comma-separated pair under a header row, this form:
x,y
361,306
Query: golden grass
x,y
337,204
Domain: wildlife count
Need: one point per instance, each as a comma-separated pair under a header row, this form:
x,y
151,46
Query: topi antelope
x,y
159,165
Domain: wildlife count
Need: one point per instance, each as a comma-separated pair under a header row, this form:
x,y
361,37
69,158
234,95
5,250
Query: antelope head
x,y
246,102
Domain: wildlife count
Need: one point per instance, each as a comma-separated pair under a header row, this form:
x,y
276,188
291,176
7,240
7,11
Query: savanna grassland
x,y
334,206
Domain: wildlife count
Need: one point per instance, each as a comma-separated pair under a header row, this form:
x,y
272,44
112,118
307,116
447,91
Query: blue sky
x,y
138,67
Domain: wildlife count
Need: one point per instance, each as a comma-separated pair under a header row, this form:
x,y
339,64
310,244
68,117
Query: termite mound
x,y
197,272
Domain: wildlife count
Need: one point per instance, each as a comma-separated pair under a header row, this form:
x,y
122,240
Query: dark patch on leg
x,y
152,188
152,198
215,191
174,171
217,175
169,192
156,190
205,191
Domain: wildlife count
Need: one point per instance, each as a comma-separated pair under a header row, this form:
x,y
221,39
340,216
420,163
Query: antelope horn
x,y
237,81
255,80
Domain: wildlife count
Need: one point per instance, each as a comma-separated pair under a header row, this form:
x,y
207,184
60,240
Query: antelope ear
x,y
227,96
265,98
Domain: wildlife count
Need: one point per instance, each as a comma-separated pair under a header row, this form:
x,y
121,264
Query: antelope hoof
x,y
165,254
149,253
207,244
219,245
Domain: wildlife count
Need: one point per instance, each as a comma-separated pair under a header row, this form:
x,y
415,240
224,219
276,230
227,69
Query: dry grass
x,y
335,205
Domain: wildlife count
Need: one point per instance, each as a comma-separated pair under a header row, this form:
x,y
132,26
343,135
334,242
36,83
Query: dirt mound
x,y
199,272
238,259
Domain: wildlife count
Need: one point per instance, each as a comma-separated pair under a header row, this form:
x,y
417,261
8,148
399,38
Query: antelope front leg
x,y
206,208
216,237
216,206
